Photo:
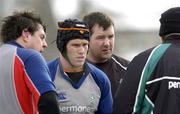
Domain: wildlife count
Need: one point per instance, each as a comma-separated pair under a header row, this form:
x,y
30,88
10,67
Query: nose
x,y
45,44
106,41
82,50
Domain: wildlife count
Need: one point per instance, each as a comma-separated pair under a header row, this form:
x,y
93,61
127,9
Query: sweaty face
x,y
37,40
76,51
101,44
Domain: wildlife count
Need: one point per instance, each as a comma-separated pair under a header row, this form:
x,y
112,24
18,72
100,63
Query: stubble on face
x,y
101,44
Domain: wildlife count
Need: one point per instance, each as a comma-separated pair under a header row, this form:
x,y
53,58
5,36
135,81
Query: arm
x,y
127,90
48,103
106,102
101,79
39,83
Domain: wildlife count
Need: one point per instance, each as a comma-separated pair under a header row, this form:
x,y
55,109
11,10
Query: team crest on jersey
x,y
62,96
92,99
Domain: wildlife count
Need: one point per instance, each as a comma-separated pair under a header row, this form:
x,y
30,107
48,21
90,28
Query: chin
x,y
107,56
79,64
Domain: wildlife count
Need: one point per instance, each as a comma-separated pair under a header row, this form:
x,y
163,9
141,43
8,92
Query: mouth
x,y
81,58
106,50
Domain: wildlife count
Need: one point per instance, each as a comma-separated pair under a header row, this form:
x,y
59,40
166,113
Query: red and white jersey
x,y
24,76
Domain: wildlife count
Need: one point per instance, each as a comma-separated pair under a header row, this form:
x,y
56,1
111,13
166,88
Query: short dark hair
x,y
12,26
98,18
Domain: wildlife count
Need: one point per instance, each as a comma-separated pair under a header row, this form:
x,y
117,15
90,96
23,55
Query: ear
x,y
25,35
163,39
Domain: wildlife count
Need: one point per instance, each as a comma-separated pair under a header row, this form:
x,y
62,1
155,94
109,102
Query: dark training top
x,y
114,68
152,82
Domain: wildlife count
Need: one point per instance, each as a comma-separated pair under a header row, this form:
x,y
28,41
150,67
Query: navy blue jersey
x,y
152,82
91,94
114,68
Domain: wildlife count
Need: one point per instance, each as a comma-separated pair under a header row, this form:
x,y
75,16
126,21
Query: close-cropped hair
x,y
13,26
99,18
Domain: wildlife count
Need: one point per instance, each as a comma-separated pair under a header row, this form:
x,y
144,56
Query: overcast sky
x,y
130,14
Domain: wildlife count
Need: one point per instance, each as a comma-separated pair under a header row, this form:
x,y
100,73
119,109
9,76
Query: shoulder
x,y
31,58
99,76
143,55
154,53
140,59
96,71
120,61
52,65
29,54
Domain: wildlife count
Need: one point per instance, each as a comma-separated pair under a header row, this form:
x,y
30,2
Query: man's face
x,y
101,43
37,40
76,51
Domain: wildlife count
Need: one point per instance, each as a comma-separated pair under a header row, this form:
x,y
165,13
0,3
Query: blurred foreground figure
x,y
25,84
152,82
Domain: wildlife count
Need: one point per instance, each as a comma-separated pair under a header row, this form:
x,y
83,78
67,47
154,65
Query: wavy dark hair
x,y
13,26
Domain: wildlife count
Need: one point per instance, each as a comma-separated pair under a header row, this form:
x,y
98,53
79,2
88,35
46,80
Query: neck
x,y
21,42
73,70
94,60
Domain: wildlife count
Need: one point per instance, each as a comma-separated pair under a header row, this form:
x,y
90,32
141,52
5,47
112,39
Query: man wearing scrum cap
x,y
151,84
81,87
